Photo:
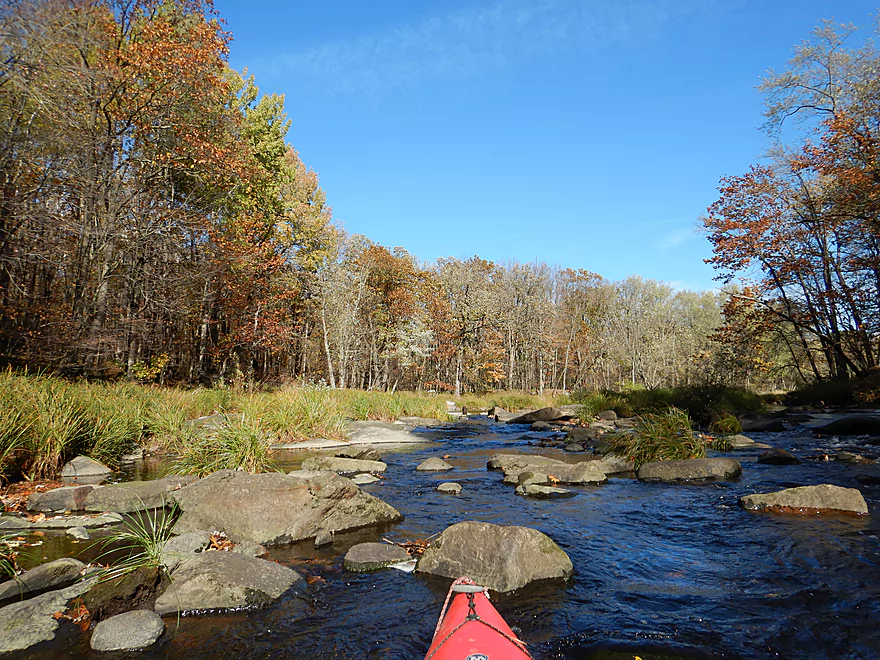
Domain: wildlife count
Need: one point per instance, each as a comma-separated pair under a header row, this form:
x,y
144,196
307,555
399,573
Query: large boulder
x,y
132,496
807,500
343,465
31,621
694,469
51,575
225,580
853,425
84,470
762,425
365,557
67,498
544,415
276,508
498,557
128,632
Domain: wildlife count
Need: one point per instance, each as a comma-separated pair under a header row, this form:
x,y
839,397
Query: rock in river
x,y
694,469
501,558
373,556
449,487
545,415
778,457
852,425
433,464
343,465
84,470
132,496
29,622
67,498
275,508
225,580
128,632
584,472
808,499
51,575
542,492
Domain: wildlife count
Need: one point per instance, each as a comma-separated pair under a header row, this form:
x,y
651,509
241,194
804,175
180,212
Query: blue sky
x,y
582,133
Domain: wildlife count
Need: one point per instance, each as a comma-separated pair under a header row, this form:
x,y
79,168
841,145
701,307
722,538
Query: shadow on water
x,y
661,571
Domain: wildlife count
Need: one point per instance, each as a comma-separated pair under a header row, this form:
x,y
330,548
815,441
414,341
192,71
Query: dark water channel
x,y
661,571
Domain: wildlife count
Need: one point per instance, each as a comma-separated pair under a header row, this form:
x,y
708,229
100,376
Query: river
x,y
661,571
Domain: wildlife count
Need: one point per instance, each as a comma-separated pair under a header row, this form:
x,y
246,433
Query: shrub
x,y
727,424
138,544
659,436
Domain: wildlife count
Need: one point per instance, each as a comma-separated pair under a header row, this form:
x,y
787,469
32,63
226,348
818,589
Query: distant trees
x,y
156,224
804,231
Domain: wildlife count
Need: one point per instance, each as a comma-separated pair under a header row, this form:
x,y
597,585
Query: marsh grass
x,y
511,401
727,424
240,443
665,435
138,544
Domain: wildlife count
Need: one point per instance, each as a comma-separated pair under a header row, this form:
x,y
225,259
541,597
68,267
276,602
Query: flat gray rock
x,y
66,498
60,522
739,441
128,632
275,508
498,557
449,487
225,580
181,547
51,575
545,415
501,461
583,472
373,556
84,470
342,465
29,622
78,533
543,492
132,496
433,464
694,469
808,500
614,464
364,479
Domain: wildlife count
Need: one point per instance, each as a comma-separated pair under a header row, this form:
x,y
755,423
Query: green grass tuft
x,y
665,435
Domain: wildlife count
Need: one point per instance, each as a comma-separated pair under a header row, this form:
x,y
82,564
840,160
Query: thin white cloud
x,y
676,238
474,41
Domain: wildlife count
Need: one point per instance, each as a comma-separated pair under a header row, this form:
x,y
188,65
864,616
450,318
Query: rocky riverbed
x,y
660,570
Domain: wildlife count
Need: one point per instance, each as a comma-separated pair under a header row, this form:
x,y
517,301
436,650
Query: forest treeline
x,y
156,224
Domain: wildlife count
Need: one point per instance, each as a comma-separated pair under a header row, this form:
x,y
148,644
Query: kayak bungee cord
x,y
465,585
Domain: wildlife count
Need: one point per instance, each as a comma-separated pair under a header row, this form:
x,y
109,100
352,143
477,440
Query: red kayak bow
x,y
471,628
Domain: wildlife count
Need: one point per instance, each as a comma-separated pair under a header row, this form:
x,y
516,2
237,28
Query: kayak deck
x,y
472,629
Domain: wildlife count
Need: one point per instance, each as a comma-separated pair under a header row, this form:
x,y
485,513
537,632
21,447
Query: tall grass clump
x,y
138,544
239,443
594,402
727,424
665,435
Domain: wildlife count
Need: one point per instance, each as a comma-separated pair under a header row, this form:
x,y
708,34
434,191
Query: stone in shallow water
x,y
373,556
543,492
364,479
433,464
128,632
808,499
502,558
79,533
67,498
343,465
695,469
84,470
224,580
51,575
778,457
449,487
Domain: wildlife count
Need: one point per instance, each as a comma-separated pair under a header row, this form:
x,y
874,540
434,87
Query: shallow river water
x,y
661,571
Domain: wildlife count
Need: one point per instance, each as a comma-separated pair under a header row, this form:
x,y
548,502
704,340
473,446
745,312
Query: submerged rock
x,y
498,557
275,508
128,632
225,580
434,464
365,557
694,469
808,499
342,465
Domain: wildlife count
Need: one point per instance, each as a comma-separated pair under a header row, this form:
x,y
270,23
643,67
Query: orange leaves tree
x,y
803,230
